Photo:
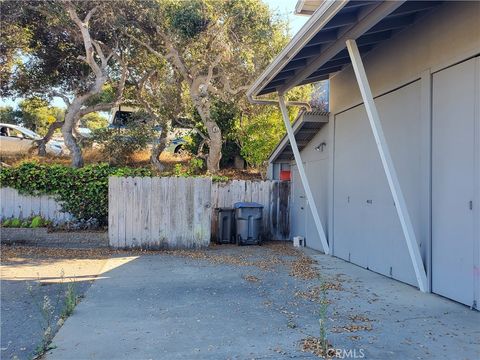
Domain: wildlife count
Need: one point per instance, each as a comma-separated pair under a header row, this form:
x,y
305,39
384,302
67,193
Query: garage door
x,y
367,231
455,238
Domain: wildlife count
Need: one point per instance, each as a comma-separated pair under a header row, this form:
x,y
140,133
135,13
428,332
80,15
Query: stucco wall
x,y
447,35
316,168
357,199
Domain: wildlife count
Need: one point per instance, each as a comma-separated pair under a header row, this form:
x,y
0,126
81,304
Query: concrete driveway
x,y
28,275
258,302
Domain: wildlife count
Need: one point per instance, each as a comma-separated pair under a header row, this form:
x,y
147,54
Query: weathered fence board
x,y
159,212
180,212
15,205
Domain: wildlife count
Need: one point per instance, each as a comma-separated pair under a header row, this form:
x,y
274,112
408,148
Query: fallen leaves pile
x,y
314,294
213,254
359,318
332,286
352,328
317,347
251,278
303,267
12,252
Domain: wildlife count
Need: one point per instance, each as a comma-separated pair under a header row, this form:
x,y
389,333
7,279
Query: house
x,y
389,179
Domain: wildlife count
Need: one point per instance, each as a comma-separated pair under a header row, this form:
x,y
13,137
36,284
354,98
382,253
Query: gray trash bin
x,y
248,222
225,233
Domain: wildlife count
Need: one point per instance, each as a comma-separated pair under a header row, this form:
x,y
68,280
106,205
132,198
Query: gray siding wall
x,y
367,230
316,167
449,34
400,73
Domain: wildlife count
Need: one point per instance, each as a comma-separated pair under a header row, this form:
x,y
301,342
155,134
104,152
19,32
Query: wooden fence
x,y
178,212
15,205
159,212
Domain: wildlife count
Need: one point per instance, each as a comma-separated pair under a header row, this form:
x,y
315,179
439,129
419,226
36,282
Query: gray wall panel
x,y
367,229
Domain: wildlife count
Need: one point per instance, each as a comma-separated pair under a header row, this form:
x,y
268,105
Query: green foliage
x,y
94,121
8,115
83,192
14,223
187,18
224,114
37,221
118,144
261,128
194,167
36,114
70,301
219,178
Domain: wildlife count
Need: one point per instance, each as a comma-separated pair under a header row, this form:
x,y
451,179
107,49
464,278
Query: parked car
x,y
176,146
17,140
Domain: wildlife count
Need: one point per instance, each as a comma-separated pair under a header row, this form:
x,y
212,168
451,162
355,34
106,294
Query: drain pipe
x,y
298,160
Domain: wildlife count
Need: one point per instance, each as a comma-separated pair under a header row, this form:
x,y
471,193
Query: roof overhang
x,y
306,126
319,50
307,7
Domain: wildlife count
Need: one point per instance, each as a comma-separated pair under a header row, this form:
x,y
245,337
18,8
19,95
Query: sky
x,y
284,8
287,8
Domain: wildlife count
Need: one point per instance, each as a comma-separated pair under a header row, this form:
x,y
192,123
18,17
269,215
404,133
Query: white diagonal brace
x,y
303,175
388,166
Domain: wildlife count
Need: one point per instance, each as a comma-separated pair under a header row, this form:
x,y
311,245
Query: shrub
x,y
37,221
117,145
83,192
15,223
193,168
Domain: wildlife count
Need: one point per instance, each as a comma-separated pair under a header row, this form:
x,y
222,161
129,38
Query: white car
x,y
17,140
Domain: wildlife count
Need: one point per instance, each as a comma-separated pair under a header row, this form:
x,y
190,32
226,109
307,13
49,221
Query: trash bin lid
x,y
224,209
239,205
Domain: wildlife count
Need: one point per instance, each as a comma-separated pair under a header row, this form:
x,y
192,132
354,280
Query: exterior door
x,y
454,178
298,211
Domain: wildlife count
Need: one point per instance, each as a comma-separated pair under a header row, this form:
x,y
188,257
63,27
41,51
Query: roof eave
x,y
320,17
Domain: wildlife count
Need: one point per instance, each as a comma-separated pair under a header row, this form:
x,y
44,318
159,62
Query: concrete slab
x,y
174,307
26,277
406,323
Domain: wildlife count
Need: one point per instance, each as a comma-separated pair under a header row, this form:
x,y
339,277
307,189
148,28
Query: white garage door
x,y
367,231
455,173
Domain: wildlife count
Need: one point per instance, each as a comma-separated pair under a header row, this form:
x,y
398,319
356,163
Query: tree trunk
x,y
214,147
42,144
202,104
157,150
67,132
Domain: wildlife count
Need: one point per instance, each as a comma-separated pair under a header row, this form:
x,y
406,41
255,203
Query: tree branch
x,y
193,127
62,96
173,56
87,40
141,98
